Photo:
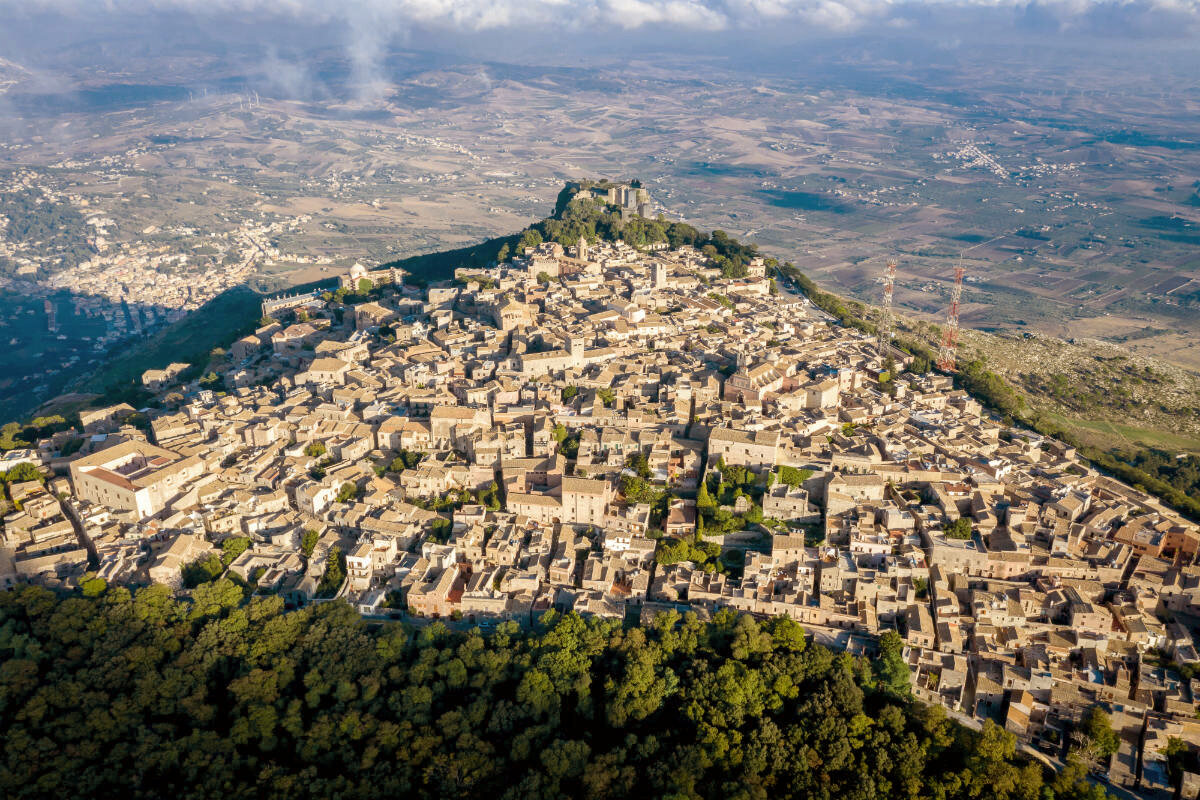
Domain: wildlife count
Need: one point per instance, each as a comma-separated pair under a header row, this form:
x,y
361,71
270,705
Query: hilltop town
x,y
620,431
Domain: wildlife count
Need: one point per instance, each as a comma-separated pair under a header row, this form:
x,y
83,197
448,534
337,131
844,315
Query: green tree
x,y
347,493
891,668
490,496
9,437
406,459
1072,783
92,586
530,238
233,547
570,446
22,473
639,490
786,634
440,530
794,477
314,449
959,528
203,570
992,772
575,707
1180,759
334,575
1099,740
309,542
639,464
558,433
215,598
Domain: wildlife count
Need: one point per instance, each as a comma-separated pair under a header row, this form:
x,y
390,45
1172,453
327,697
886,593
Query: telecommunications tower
x,y
885,323
949,349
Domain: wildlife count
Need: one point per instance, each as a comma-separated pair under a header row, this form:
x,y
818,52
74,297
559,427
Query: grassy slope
x,y
440,266
1099,391
1106,434
220,321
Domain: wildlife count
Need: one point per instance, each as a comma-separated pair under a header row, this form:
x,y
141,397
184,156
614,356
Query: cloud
x,y
367,31
630,14
371,29
288,77
379,20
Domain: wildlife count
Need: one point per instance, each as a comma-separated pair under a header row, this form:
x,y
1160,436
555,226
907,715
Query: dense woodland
x,y
143,695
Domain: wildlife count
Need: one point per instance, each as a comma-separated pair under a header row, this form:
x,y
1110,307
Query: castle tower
x,y
659,275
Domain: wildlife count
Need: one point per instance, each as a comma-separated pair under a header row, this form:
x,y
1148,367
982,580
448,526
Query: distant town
x,y
88,284
620,431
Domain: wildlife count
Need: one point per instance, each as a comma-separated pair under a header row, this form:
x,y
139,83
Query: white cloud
x,y
389,16
676,13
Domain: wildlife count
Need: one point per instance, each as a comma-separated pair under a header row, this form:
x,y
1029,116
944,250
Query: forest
x,y
144,695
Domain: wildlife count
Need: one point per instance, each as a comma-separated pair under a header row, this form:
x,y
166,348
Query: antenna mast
x,y
949,350
885,324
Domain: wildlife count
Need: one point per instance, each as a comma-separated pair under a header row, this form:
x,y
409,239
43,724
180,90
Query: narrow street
x,y
85,541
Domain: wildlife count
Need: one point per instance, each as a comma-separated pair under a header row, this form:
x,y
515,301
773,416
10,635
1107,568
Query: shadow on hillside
x,y
69,342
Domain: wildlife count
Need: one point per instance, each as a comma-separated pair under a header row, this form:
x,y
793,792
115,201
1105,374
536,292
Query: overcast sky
x,y
1174,18
39,32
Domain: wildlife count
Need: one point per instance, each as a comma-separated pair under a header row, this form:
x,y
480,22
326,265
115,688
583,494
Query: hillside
x,y
565,225
1029,385
1101,391
1132,415
217,323
1105,394
431,267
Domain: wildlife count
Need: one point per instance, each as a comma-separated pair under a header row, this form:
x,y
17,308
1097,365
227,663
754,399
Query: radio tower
x,y
949,349
885,323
